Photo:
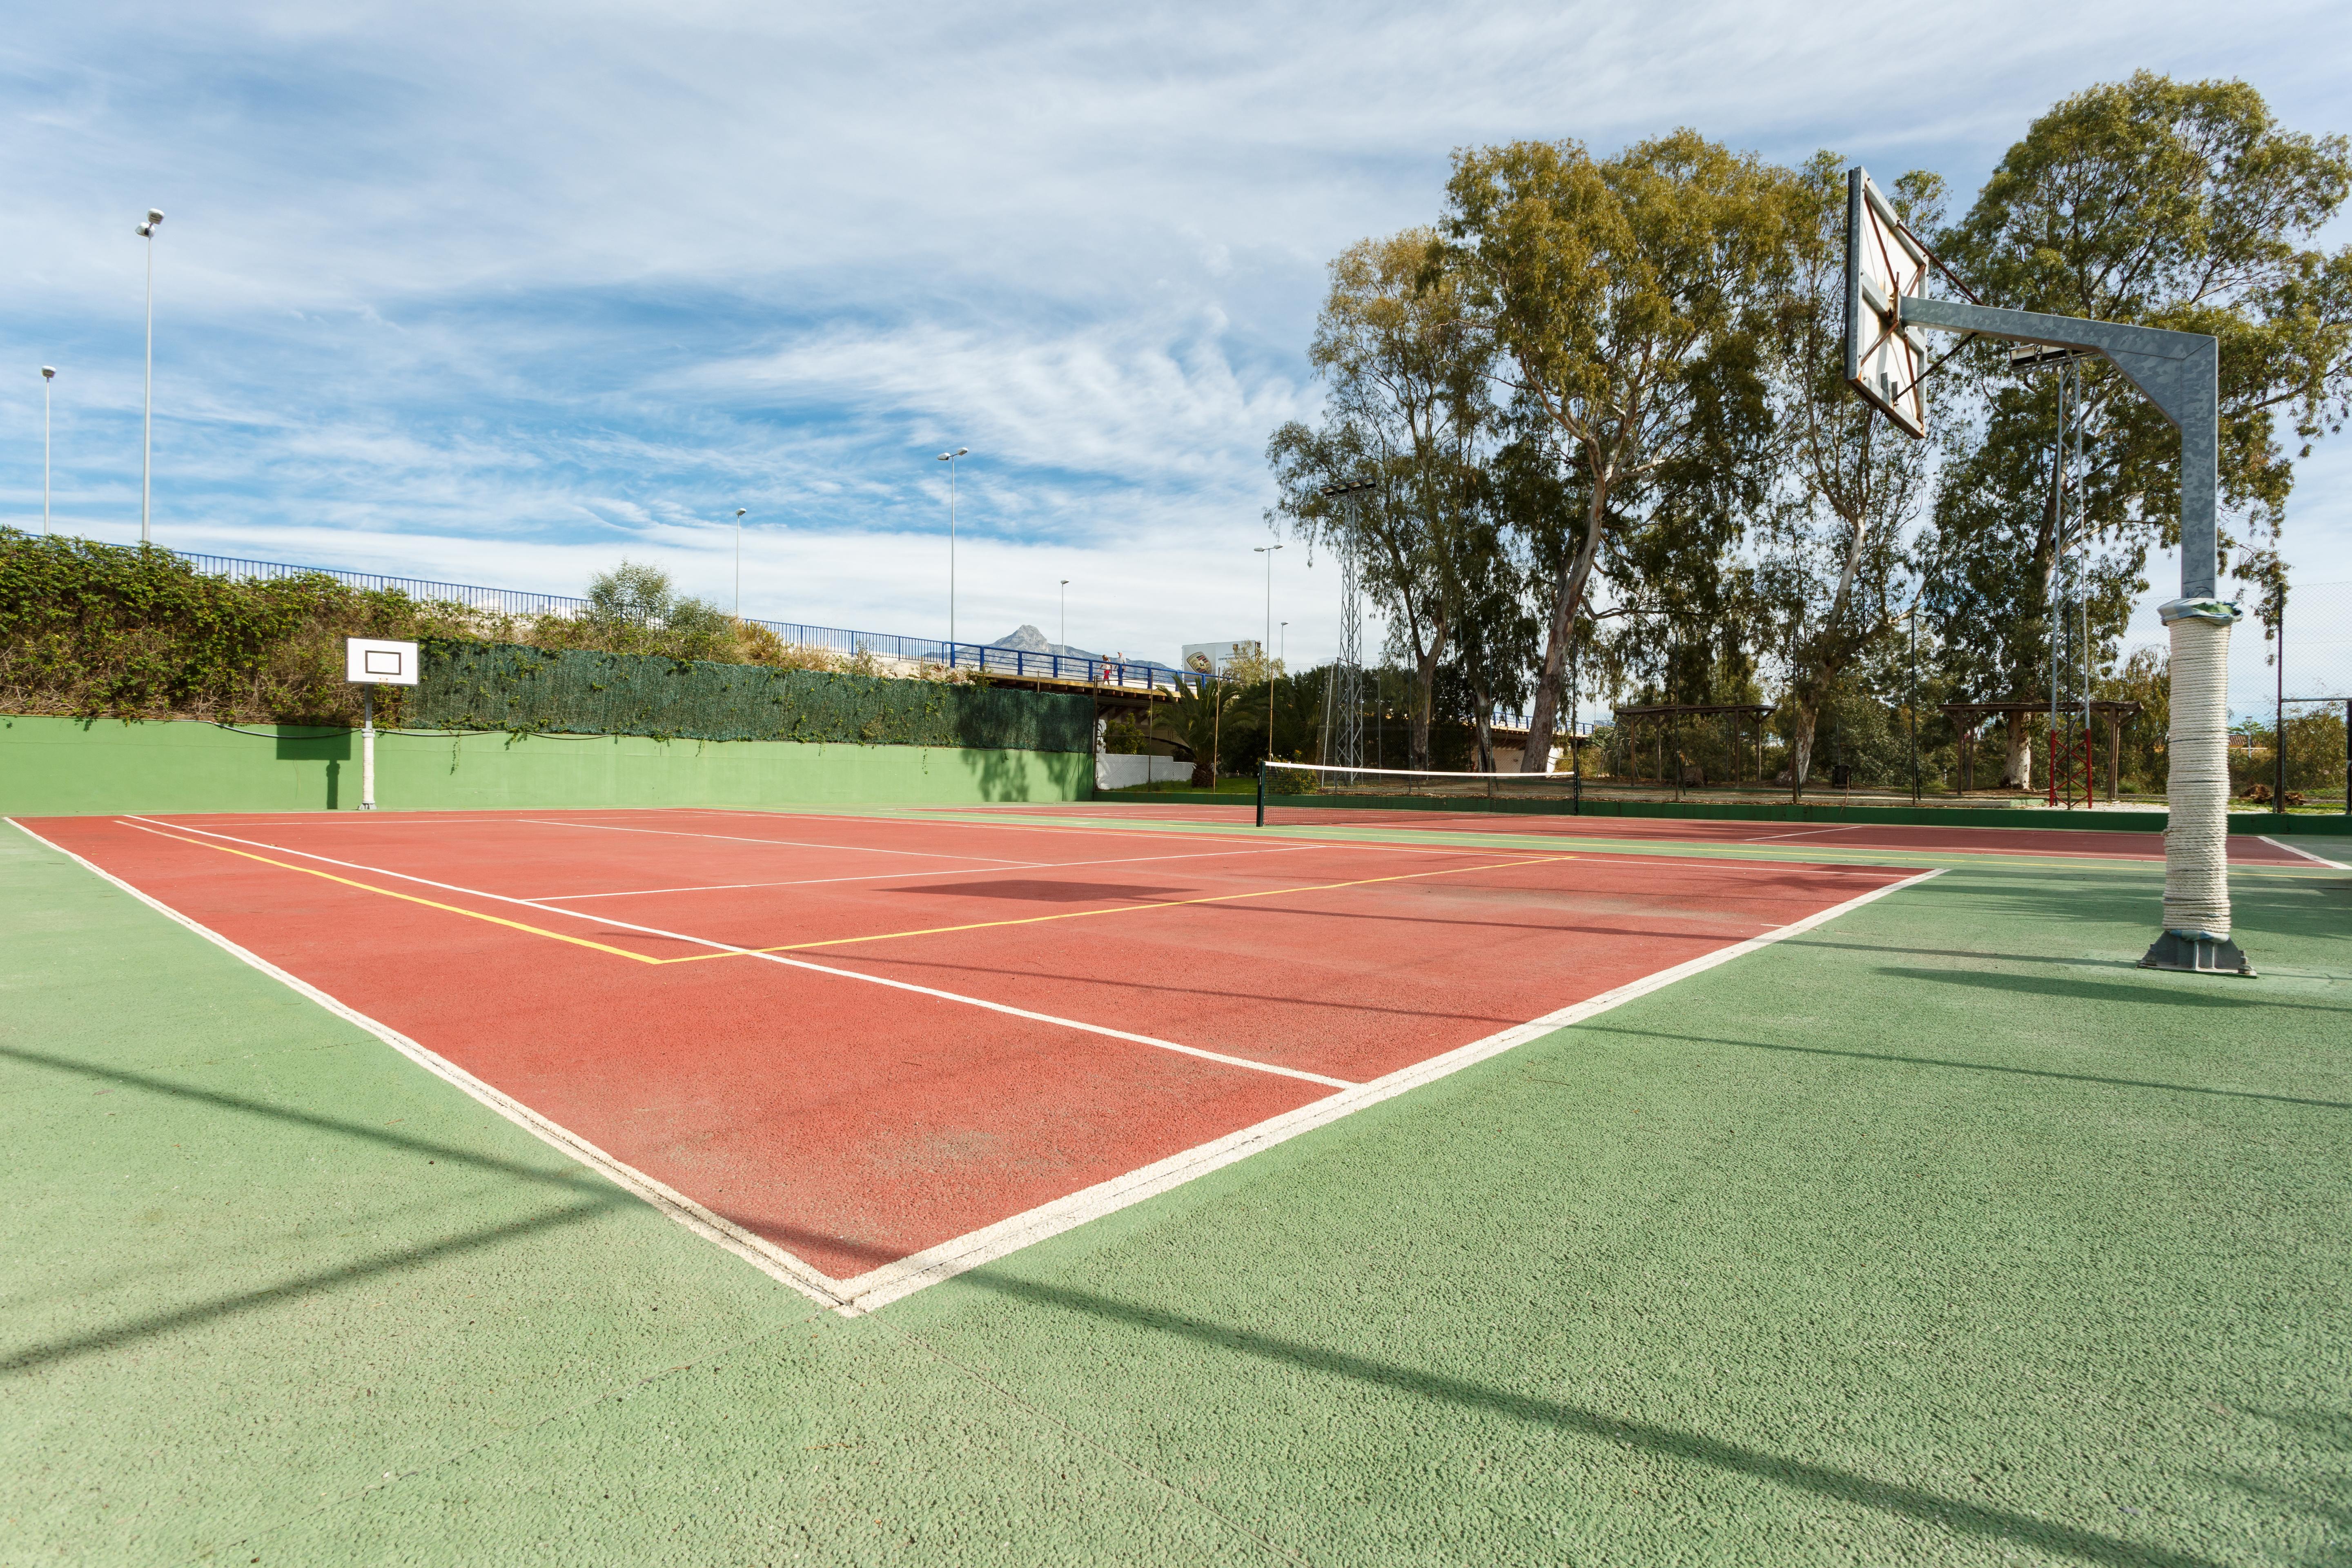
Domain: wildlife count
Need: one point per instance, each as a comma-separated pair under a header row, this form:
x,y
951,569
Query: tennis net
x,y
1305,793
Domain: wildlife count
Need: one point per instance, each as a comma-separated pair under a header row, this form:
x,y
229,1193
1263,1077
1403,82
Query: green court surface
x,y
1937,1234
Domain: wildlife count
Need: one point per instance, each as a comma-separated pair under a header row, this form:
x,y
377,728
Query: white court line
x,y
879,1287
893,1281
761,1254
901,876
2306,854
784,843
980,1001
1808,833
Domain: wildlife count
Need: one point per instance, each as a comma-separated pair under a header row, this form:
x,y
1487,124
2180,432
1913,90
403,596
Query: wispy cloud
x,y
502,291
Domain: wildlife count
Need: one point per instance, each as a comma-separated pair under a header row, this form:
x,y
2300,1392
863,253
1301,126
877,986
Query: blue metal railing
x,y
1018,663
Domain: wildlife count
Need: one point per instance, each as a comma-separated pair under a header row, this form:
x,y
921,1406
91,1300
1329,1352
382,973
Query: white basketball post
x,y
371,662
1886,306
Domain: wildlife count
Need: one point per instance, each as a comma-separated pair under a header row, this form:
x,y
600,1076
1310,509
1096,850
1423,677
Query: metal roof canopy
x,y
2035,705
1677,710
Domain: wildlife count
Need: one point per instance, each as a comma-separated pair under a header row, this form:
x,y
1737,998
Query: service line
x,y
972,871
721,949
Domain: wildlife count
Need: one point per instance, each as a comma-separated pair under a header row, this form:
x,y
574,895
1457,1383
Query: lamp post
x,y
1267,550
949,458
146,231
48,374
739,565
1066,614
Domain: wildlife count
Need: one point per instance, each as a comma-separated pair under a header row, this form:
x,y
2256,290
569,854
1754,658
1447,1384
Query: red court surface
x,y
868,1052
1925,838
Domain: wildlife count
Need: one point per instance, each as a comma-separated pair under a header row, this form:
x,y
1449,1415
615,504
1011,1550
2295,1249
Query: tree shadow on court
x,y
119,1335
1132,980
1987,1524
2224,993
1604,1028
595,1196
1042,891
1891,948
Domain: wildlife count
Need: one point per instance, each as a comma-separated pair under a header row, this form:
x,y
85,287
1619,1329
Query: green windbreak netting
x,y
501,685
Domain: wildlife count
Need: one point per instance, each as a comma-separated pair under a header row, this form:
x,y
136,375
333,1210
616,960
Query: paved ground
x,y
1937,1235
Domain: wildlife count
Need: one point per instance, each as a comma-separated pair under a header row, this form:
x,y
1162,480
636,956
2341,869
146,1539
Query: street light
x,y
1066,617
1267,550
949,458
48,374
146,231
739,565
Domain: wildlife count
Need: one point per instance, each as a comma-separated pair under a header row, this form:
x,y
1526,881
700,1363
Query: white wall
x,y
1117,771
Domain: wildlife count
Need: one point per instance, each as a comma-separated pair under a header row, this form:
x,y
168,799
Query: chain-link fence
x,y
2291,701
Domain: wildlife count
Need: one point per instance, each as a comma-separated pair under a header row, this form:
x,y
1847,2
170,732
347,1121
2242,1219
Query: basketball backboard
x,y
372,661
1884,266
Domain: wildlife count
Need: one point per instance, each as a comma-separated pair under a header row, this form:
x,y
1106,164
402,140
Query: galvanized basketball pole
x,y
2179,373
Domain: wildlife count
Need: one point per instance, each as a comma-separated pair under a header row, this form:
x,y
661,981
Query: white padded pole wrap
x,y
2196,849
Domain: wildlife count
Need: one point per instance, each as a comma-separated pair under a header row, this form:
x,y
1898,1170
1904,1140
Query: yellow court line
x,y
412,899
1121,910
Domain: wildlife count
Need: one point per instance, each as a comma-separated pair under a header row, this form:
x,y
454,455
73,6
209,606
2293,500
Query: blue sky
x,y
501,293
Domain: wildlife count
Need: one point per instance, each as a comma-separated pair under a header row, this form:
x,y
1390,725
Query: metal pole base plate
x,y
2197,955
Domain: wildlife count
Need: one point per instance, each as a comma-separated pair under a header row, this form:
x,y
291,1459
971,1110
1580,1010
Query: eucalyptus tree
x,y
2166,203
1830,546
1626,296
1410,409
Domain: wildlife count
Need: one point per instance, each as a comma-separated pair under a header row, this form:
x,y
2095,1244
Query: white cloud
x,y
500,290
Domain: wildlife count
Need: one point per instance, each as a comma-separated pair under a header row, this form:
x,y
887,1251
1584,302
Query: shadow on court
x,y
1966,1067
2227,993
596,1198
1666,1442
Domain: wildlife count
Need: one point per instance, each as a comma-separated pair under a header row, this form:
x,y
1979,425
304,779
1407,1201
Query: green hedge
x,y
506,686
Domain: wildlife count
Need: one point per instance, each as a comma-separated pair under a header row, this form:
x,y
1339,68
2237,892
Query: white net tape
x,y
2196,851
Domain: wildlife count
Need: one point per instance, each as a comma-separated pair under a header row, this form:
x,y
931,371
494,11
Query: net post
x,y
1261,792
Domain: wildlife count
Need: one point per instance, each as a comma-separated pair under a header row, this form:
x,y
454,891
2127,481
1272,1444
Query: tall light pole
x,y
146,231
1066,613
949,458
1267,550
738,564
48,374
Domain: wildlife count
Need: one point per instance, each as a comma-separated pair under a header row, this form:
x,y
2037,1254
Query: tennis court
x,y
868,1052
1674,1193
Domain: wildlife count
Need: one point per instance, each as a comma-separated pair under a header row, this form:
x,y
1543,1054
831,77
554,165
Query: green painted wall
x,y
58,767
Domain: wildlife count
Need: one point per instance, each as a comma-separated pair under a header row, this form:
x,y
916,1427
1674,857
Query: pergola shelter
x,y
1971,716
1666,715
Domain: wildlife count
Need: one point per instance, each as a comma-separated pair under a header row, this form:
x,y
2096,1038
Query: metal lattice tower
x,y
1344,711
1348,669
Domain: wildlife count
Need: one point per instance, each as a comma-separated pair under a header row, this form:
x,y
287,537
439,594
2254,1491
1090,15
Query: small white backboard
x,y
1884,266
371,661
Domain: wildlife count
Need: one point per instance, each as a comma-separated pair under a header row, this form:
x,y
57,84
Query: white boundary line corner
x,y
2292,849
893,1281
763,1255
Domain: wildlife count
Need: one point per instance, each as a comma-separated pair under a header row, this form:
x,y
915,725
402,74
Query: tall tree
x,y
1409,410
2166,203
1831,543
1625,295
